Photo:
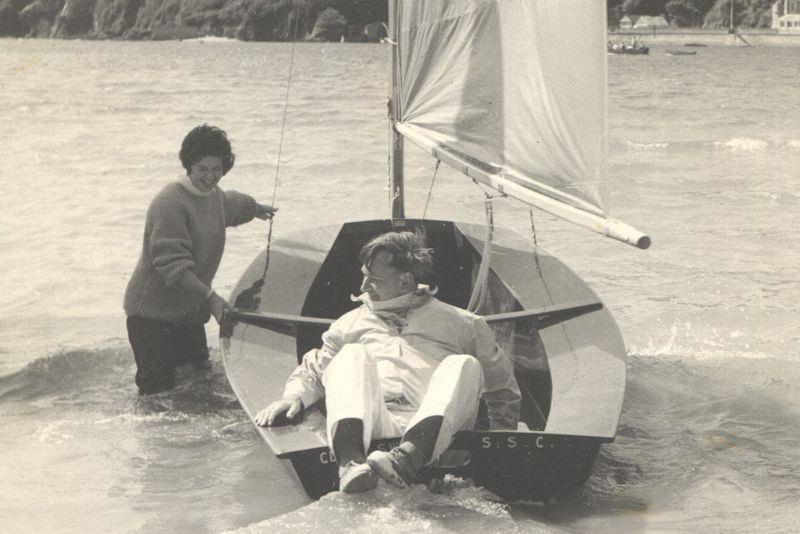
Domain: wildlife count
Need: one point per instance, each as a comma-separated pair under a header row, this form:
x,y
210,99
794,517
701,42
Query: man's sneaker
x,y
394,466
356,477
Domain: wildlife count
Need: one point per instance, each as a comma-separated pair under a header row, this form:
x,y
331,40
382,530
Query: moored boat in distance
x,y
568,354
634,48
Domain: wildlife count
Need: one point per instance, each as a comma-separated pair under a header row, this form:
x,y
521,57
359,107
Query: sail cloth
x,y
511,90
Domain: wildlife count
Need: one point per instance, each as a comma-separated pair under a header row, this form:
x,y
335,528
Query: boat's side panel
x,y
250,367
258,361
585,355
590,393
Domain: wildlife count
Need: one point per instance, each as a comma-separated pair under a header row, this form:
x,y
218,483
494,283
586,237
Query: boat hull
x,y
513,465
570,367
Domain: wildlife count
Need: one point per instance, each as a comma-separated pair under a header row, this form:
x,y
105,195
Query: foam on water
x,y
735,145
391,510
83,424
646,146
714,345
744,144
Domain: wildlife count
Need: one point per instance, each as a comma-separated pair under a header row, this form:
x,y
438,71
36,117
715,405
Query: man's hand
x,y
291,406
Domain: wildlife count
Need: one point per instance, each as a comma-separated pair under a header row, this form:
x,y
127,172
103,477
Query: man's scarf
x,y
394,311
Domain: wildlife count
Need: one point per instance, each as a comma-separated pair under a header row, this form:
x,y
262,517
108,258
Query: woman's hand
x,y
265,211
290,405
219,308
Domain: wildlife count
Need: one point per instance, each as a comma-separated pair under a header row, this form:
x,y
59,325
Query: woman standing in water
x,y
169,297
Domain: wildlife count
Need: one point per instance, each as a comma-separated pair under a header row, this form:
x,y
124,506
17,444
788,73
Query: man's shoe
x,y
356,477
394,466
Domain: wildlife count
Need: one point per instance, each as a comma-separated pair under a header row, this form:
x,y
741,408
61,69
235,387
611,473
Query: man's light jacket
x,y
407,348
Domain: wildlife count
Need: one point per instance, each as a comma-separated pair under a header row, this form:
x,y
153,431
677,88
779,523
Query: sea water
x,y
704,156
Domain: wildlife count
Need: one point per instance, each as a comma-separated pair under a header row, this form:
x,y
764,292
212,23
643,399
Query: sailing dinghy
x,y
512,94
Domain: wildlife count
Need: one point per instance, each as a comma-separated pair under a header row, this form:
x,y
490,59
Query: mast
x,y
395,139
730,26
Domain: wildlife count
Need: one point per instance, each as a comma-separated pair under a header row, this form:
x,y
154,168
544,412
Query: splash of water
x,y
391,510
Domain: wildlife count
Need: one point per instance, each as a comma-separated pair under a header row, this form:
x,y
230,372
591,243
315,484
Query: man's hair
x,y
407,252
206,140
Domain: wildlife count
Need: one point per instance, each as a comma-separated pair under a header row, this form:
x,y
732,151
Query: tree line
x,y
250,20
268,20
696,13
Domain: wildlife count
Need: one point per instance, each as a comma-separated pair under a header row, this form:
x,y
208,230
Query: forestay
x,y
513,94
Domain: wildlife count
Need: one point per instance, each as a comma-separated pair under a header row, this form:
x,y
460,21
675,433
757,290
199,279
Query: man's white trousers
x,y
353,390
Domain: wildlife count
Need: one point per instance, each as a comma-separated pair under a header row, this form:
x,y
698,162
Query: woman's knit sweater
x,y
184,231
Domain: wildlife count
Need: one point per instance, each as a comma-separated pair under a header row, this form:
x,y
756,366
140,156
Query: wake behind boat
x,y
530,126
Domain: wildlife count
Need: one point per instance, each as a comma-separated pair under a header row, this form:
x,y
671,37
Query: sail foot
x,y
569,209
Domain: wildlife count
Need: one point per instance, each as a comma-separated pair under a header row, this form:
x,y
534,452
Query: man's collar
x,y
403,303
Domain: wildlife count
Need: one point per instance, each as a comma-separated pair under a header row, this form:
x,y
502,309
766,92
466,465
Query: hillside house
x,y
786,16
646,22
627,22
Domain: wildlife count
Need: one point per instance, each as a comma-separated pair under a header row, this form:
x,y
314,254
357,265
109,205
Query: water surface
x,y
704,156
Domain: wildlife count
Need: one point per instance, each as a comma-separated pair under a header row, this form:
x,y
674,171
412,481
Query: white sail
x,y
512,93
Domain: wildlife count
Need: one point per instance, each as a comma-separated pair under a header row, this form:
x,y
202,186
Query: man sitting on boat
x,y
403,362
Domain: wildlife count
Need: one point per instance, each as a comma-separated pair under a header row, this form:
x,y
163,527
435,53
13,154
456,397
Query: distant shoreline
x,y
670,36
709,37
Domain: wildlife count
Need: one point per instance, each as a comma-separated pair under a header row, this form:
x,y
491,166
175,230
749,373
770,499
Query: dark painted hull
x,y
571,368
514,465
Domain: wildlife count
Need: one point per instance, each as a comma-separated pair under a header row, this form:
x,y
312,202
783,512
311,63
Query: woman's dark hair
x,y
205,141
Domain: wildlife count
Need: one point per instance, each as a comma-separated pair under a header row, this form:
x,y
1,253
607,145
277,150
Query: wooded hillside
x,y
251,20
697,13
279,20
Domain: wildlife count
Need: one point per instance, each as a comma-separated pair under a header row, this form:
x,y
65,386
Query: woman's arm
x,y
241,208
191,283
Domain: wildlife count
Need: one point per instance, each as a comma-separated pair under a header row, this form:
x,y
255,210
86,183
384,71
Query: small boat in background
x,y
633,47
696,45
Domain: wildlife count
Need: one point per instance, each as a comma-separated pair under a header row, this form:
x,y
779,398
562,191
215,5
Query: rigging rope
x,y
249,299
280,144
480,290
430,190
535,242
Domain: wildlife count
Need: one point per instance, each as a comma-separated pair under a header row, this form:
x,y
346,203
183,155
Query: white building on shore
x,y
627,22
786,16
648,22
